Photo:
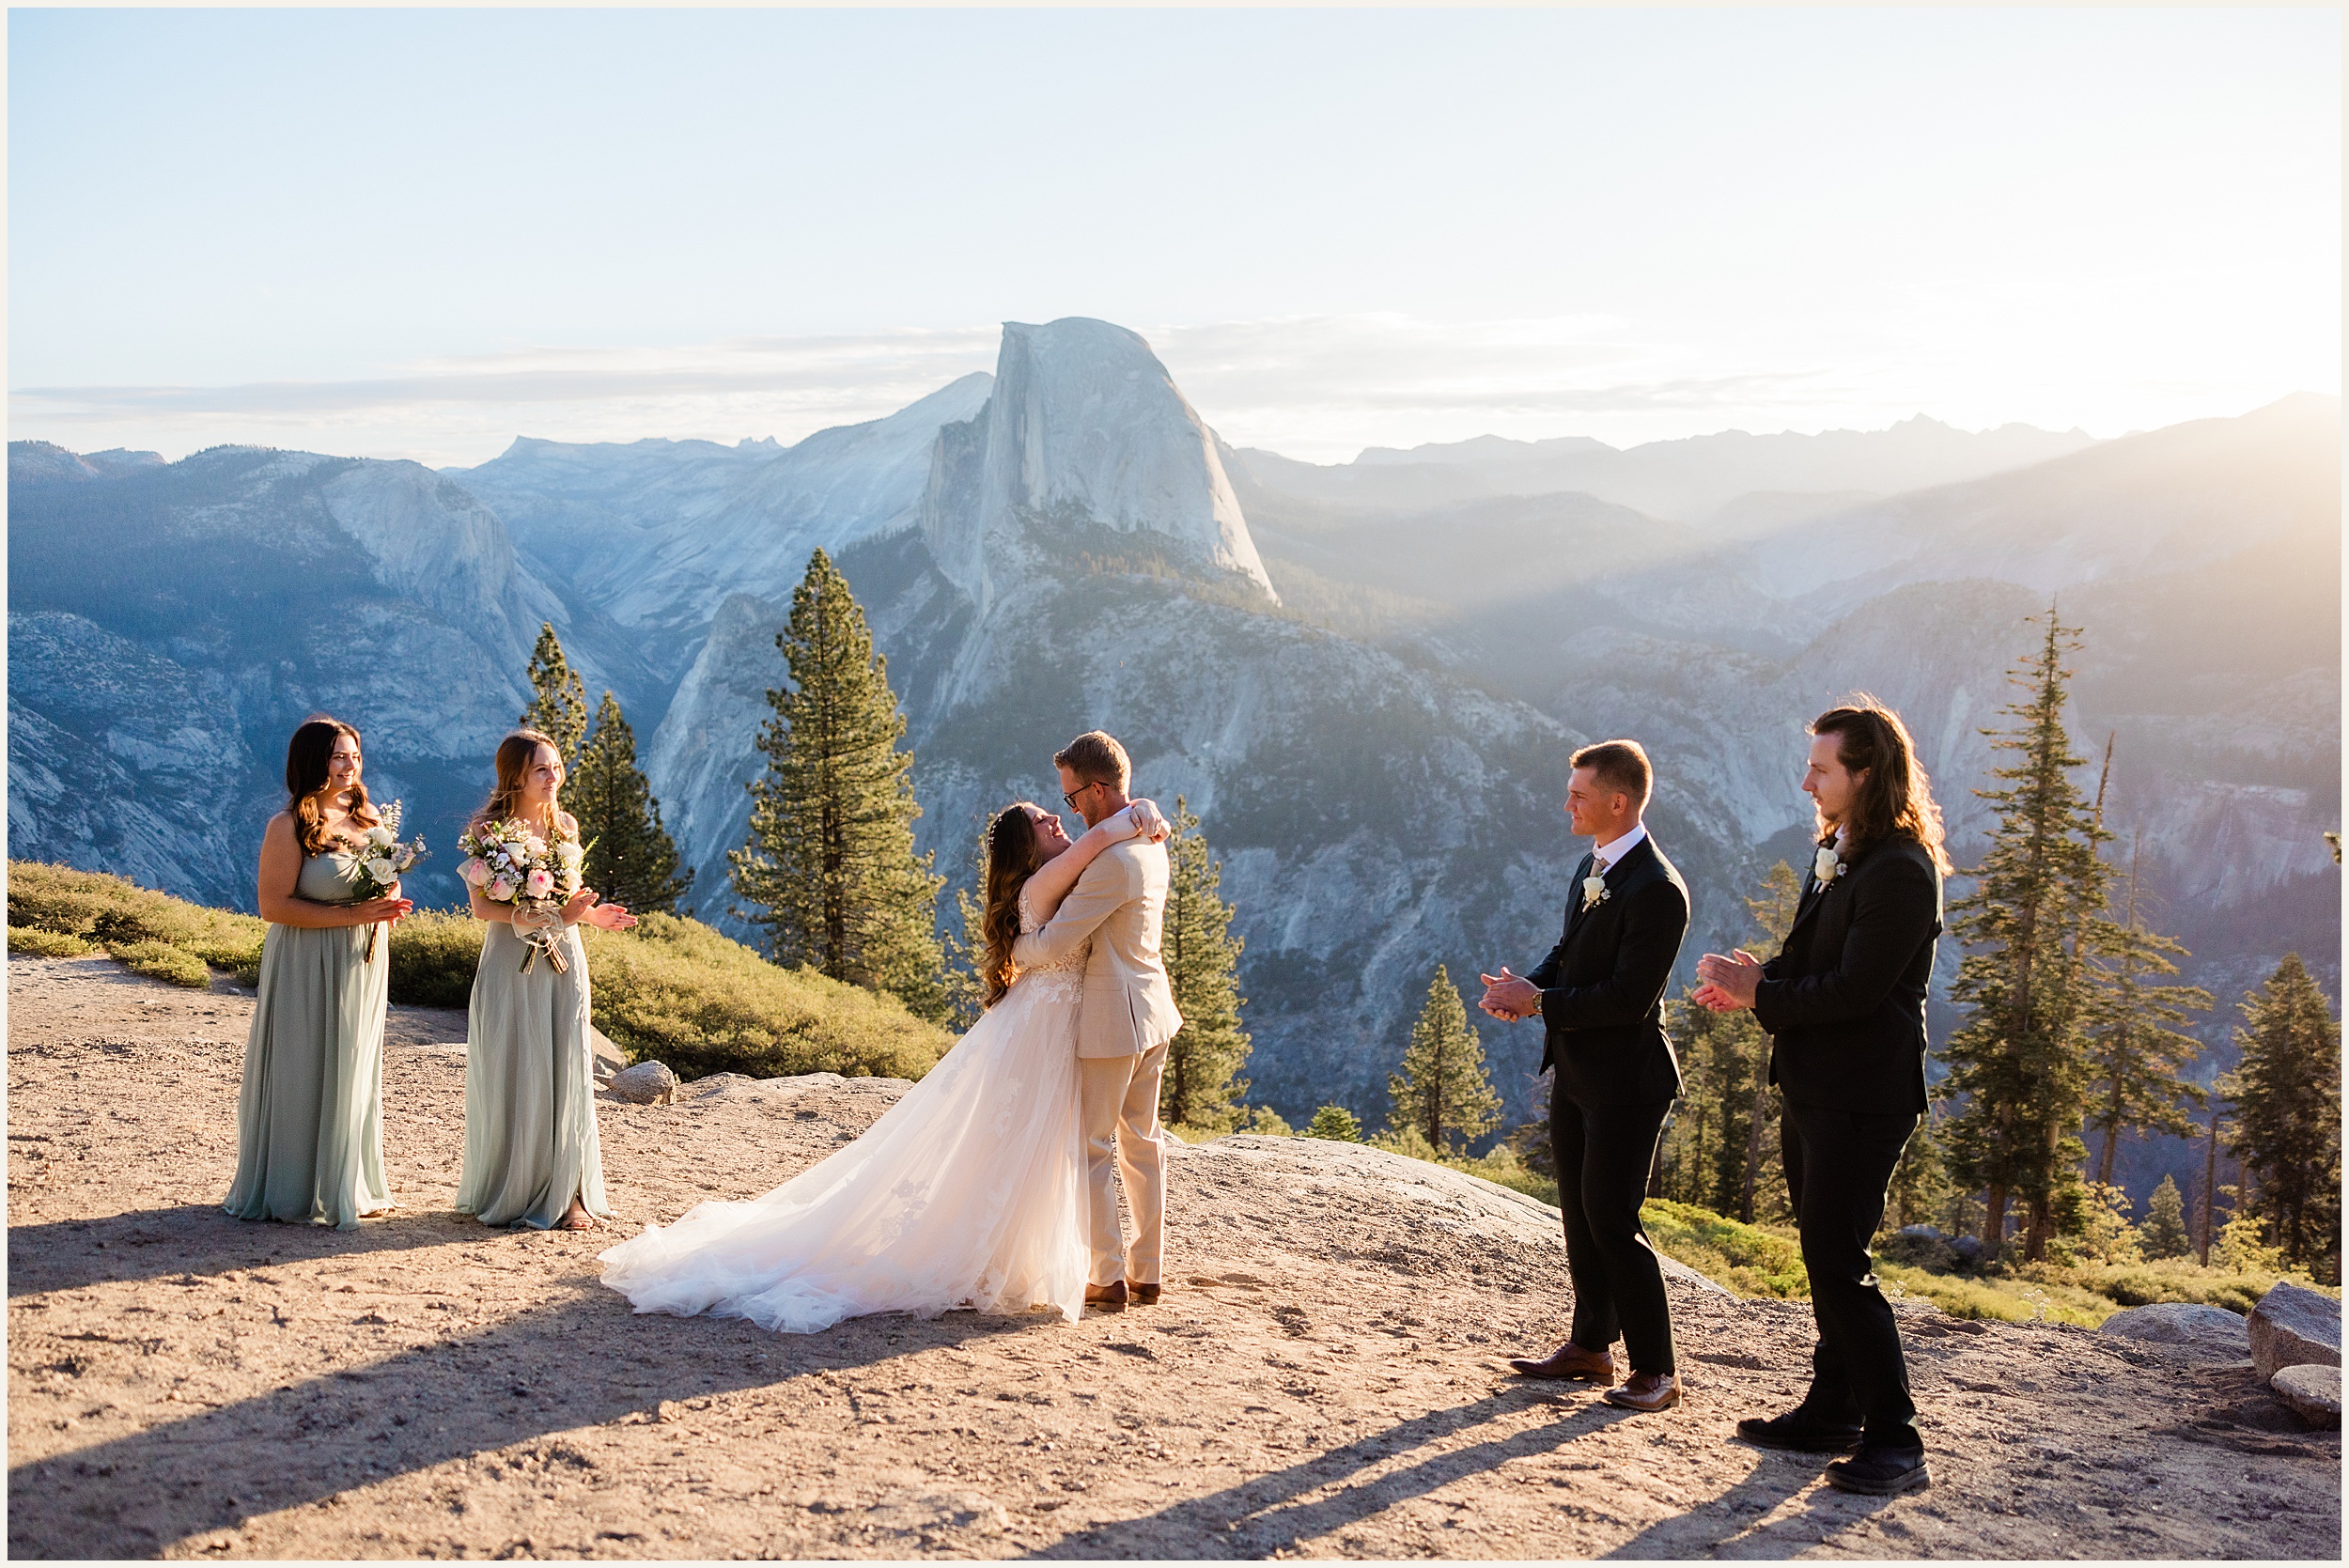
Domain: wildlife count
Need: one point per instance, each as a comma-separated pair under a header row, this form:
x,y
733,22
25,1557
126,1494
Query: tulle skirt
x,y
968,1192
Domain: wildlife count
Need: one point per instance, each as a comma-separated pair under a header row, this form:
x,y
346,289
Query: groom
x,y
1600,993
1122,1025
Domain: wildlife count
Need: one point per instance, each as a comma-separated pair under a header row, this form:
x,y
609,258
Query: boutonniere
x,y
1827,866
1593,891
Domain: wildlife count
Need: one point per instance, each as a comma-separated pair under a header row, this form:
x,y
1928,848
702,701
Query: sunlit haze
x,y
423,233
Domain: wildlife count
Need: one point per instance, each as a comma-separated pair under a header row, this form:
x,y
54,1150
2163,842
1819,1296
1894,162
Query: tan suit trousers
x,y
1118,1097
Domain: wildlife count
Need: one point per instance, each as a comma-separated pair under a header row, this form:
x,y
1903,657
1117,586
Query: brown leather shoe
x,y
1110,1298
1141,1296
1569,1360
1646,1391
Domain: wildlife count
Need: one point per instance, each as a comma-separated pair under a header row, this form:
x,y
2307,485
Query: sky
x,y
420,234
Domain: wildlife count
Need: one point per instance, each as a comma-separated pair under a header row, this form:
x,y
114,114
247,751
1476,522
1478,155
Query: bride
x,y
968,1192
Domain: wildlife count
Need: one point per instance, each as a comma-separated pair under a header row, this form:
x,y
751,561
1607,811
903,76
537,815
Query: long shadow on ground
x,y
1273,1511
201,1239
523,1379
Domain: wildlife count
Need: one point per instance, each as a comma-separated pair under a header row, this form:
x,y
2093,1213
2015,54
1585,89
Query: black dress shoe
x,y
1798,1431
1879,1473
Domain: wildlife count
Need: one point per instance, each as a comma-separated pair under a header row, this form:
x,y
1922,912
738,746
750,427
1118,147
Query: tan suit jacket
x,y
1120,902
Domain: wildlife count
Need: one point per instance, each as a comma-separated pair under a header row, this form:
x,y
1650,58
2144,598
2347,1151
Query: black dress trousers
x,y
1604,1153
1838,1164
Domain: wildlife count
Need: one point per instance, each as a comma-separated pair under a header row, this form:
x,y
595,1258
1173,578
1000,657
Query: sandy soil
x,y
1323,1378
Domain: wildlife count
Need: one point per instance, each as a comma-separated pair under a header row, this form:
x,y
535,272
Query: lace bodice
x,y
1064,978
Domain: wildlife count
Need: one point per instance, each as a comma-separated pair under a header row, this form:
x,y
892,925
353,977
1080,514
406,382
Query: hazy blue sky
x,y
421,233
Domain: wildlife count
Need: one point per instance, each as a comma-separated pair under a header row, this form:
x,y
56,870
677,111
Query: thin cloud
x,y
1320,388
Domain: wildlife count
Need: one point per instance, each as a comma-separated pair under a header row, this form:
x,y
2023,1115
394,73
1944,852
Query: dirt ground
x,y
1324,1377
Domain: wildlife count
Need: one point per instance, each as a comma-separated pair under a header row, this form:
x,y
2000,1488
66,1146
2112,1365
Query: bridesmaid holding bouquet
x,y
310,1119
532,1156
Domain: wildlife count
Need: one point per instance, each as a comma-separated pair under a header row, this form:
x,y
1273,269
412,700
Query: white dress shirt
x,y
1606,857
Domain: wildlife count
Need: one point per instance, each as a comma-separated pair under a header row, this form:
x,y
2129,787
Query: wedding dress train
x,y
968,1192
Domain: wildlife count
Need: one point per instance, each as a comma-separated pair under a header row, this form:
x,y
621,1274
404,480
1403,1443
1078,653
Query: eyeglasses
x,y
1071,797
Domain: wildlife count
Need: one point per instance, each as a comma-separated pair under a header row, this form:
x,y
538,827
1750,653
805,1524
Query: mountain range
x,y
1364,677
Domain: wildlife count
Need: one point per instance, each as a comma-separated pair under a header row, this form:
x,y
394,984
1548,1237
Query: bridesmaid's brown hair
x,y
306,778
513,760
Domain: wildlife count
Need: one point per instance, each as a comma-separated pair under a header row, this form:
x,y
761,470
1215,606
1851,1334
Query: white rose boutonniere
x,y
1593,891
1827,867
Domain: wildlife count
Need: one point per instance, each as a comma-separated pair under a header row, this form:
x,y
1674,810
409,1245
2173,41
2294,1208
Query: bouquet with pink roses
x,y
509,861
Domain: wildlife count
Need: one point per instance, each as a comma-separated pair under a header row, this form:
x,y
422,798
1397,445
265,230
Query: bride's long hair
x,y
1013,855
307,754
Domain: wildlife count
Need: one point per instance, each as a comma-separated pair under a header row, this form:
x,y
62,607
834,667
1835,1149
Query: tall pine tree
x,y
829,870
1443,1091
631,861
2019,1064
2137,1056
558,703
2287,1117
1200,1088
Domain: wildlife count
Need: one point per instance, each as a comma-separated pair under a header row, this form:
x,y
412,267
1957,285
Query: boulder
x,y
2312,1391
2184,1324
607,1058
1921,1247
2294,1326
646,1083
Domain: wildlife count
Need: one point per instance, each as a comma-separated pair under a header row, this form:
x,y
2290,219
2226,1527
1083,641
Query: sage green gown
x,y
310,1120
530,1089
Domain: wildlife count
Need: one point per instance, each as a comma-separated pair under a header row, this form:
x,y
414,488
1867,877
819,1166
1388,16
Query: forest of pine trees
x,y
2072,1035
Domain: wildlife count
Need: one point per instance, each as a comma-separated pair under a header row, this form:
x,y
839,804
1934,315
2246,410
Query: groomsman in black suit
x,y
1844,1005
1601,997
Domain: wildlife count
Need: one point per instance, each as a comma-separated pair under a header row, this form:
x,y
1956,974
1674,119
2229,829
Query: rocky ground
x,y
1324,1377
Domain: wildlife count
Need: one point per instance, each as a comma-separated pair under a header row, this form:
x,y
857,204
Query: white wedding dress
x,y
968,1192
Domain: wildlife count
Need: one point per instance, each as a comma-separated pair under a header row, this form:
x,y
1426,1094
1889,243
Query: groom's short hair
x,y
1620,765
1096,758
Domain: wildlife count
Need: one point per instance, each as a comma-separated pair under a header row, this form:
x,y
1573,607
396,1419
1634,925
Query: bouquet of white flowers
x,y
511,862
383,861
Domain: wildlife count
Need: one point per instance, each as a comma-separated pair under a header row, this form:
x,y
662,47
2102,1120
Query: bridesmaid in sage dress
x,y
532,1156
310,1119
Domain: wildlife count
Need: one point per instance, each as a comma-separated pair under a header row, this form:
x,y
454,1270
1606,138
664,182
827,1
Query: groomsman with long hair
x,y
1845,1005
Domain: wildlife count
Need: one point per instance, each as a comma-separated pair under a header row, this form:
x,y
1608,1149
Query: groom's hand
x,y
1510,997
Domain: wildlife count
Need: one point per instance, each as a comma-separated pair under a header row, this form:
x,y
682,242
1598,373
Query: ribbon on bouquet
x,y
373,931
538,922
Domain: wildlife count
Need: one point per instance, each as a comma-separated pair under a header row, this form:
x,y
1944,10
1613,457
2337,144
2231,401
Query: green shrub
x,y
120,916
163,961
676,990
671,989
434,955
1751,1260
46,944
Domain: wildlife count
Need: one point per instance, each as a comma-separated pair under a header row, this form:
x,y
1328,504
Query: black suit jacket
x,y
1844,1000
1603,984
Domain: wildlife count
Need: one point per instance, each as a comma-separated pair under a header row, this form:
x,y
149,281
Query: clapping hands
x,y
1726,984
1509,997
